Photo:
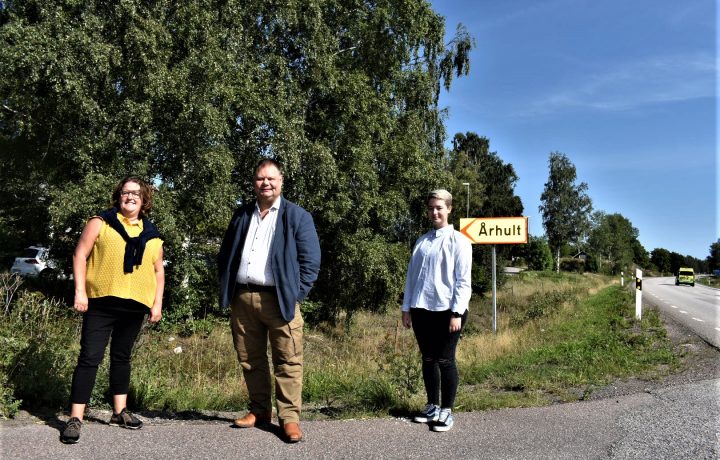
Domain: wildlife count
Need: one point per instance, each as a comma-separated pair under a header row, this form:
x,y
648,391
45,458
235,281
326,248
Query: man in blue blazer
x,y
268,261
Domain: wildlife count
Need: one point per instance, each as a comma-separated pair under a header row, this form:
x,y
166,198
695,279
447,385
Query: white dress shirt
x,y
439,272
255,262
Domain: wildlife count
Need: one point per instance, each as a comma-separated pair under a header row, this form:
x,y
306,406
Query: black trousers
x,y
437,347
106,318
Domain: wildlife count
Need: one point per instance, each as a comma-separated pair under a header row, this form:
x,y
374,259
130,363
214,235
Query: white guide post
x,y
638,294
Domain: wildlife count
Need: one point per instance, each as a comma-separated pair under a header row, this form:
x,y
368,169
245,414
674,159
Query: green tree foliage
x,y
565,207
537,253
660,258
678,260
192,94
23,214
640,254
668,263
713,260
492,194
492,182
614,242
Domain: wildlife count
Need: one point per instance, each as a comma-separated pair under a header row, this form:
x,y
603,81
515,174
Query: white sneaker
x,y
445,421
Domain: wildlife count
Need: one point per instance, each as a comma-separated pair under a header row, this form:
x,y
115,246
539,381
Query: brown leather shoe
x,y
292,432
250,420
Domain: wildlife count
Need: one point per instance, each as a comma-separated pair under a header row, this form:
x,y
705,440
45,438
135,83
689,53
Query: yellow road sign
x,y
495,230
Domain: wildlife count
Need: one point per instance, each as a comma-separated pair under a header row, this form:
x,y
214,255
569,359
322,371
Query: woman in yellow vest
x,y
119,278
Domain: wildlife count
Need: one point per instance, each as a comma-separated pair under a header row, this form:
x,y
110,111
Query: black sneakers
x,y
71,433
430,414
126,420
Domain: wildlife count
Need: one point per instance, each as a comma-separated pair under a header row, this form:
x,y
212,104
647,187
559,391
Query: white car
x,y
35,260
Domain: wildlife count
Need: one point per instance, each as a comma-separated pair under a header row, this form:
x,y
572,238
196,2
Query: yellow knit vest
x,y
105,276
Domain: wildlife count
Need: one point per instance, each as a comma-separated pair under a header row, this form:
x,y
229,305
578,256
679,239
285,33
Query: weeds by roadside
x,y
563,356
712,280
39,343
175,372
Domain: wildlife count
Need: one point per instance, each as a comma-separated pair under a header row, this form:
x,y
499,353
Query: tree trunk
x,y
557,263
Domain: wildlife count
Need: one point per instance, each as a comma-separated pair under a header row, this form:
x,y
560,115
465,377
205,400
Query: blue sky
x,y
625,88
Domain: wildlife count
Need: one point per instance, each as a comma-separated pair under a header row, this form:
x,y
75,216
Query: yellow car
x,y
685,276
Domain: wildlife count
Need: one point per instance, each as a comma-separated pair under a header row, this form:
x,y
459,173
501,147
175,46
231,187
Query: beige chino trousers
x,y
255,319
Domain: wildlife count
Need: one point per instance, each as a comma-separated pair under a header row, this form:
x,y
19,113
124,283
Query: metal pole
x,y
467,210
494,290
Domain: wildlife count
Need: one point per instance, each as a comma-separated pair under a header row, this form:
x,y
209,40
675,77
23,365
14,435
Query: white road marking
x,y
717,328
673,306
683,312
698,320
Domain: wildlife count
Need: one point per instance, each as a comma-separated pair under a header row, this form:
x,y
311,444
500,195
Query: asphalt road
x,y
696,307
672,422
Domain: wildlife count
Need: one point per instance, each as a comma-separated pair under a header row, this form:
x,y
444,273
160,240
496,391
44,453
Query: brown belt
x,y
249,287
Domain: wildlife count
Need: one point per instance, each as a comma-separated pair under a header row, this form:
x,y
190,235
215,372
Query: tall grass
x,y
711,280
563,356
558,337
37,339
173,372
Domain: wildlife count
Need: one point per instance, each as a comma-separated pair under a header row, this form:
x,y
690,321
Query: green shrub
x,y
403,372
40,343
540,305
572,265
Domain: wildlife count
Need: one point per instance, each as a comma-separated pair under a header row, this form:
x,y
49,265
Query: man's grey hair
x,y
440,194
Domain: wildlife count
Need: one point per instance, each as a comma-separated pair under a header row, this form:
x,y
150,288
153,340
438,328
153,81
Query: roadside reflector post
x,y
638,294
622,279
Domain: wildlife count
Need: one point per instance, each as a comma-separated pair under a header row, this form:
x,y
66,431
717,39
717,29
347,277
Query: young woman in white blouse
x,y
435,305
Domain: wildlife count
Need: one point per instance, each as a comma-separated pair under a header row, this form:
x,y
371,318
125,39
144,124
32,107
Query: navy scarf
x,y
134,247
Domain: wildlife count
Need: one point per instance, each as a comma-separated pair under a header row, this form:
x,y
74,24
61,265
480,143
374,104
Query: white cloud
x,y
513,13
634,84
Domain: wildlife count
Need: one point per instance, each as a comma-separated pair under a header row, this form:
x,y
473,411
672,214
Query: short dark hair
x,y
270,161
145,193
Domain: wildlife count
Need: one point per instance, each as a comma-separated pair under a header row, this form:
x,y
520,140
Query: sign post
x,y
638,294
495,230
494,290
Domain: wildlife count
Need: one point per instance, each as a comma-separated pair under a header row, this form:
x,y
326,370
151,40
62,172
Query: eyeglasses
x,y
126,193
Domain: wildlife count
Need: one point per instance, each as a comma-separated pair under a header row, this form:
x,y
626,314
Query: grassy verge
x,y
562,357
712,280
559,336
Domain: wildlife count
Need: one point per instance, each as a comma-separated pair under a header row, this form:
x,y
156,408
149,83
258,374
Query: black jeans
x,y
106,317
437,347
